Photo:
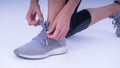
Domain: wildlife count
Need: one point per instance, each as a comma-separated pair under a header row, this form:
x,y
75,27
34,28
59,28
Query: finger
x,y
32,21
28,18
63,36
40,15
55,35
35,22
60,34
52,29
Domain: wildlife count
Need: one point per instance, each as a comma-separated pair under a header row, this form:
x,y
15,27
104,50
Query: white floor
x,y
95,47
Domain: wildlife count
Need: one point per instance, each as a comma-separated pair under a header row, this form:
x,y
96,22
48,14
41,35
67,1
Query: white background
x,y
95,47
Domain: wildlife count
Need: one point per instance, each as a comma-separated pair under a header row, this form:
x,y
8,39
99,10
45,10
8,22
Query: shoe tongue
x,y
42,35
45,25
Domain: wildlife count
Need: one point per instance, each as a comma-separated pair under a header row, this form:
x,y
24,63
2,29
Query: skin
x,y
60,20
60,25
34,10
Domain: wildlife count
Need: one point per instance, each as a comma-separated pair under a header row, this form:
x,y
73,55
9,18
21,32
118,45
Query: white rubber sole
x,y
57,51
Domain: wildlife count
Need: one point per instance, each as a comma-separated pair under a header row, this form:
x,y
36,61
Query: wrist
x,y
35,1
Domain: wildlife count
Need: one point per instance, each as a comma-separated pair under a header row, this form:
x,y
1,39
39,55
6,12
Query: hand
x,y
60,27
33,11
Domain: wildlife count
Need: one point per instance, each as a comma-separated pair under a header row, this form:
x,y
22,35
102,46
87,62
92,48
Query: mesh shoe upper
x,y
38,45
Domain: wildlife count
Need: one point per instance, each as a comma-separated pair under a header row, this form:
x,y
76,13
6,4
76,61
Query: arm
x,y
60,26
33,11
70,7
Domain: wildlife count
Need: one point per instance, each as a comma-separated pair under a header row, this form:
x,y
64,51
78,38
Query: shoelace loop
x,y
45,26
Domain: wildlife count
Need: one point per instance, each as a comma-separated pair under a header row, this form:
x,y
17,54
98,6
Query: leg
x,y
100,13
82,19
41,47
54,7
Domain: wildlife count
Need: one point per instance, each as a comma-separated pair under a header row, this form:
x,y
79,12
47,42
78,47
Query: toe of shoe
x,y
16,52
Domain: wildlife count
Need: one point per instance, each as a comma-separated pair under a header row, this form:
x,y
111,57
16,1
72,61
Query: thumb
x,y
40,15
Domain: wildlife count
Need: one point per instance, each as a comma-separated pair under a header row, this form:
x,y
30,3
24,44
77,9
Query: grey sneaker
x,y
116,21
41,47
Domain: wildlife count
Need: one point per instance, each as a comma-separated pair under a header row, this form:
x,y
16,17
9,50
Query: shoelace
x,y
116,22
45,26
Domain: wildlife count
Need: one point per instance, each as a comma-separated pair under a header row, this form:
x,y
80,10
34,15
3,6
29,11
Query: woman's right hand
x,y
33,12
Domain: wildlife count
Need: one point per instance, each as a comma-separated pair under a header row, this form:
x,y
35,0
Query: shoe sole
x,y
58,51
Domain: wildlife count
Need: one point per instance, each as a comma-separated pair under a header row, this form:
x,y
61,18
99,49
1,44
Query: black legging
x,y
79,21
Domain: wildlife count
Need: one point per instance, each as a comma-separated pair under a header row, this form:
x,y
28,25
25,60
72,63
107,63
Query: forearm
x,y
69,8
